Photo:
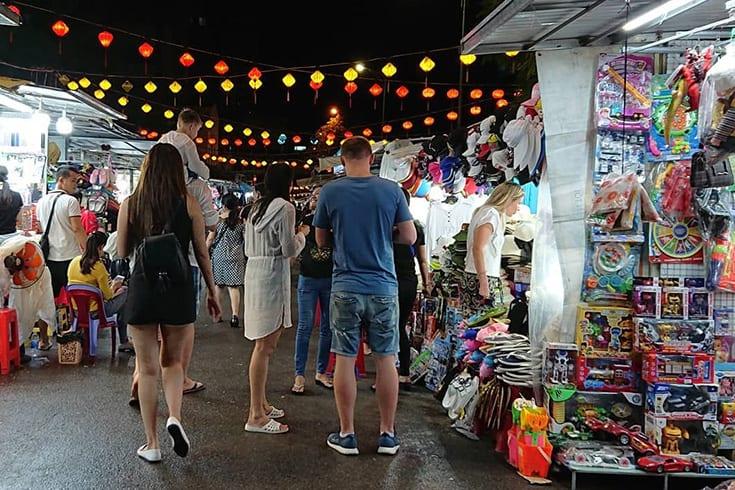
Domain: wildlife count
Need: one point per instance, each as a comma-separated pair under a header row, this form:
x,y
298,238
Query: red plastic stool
x,y
360,370
9,340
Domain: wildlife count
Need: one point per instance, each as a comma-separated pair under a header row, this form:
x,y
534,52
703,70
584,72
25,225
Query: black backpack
x,y
162,258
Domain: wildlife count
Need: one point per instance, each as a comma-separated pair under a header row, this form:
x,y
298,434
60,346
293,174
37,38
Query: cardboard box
x,y
675,336
609,375
682,402
560,364
568,408
683,436
678,368
605,331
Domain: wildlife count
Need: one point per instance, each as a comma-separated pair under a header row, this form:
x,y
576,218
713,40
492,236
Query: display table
x,y
635,472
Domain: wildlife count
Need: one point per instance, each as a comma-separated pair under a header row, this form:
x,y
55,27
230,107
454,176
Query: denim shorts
x,y
349,312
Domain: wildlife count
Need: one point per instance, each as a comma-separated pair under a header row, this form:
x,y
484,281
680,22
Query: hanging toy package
x,y
714,211
717,106
609,270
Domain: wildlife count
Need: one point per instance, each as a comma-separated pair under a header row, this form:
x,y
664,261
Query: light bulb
x,y
64,125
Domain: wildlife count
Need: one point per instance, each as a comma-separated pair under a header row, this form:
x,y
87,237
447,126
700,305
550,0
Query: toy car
x,y
668,464
692,401
642,444
636,440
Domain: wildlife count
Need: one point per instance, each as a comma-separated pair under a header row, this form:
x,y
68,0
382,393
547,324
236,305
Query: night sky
x,y
288,34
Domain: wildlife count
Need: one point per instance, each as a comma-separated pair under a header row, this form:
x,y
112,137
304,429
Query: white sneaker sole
x,y
344,451
178,439
391,451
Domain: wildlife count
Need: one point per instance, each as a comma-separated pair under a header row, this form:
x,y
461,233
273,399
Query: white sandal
x,y
272,427
275,413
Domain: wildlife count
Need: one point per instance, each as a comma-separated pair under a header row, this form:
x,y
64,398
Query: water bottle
x,y
35,341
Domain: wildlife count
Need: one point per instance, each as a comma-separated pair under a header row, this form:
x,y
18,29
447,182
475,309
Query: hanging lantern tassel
x,y
350,88
402,92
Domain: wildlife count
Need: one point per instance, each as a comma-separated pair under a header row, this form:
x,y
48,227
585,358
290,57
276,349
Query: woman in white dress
x,y
271,240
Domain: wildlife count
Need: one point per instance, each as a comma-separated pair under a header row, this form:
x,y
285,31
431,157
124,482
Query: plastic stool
x,y
360,370
9,340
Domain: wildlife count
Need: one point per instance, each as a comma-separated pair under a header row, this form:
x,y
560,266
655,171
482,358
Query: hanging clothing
x,y
446,220
268,245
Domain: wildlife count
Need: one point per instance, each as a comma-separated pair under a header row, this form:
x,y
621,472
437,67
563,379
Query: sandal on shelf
x,y
197,387
275,413
272,427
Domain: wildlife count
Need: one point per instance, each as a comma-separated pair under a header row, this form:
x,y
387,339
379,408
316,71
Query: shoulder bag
x,y
44,242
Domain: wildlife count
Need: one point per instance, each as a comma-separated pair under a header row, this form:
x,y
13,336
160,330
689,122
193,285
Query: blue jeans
x,y
310,291
349,312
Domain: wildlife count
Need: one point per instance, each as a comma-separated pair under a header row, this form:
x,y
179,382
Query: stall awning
x,y
537,25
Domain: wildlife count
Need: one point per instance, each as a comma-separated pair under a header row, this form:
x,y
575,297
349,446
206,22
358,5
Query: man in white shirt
x,y
187,127
59,211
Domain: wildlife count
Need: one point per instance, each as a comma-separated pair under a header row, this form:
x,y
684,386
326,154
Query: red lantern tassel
x,y
288,95
316,96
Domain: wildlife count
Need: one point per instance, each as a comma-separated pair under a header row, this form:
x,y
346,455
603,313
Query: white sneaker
x,y
149,455
178,437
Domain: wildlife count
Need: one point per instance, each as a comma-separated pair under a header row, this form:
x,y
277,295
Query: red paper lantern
x,y
498,93
429,121
331,136
315,86
375,90
186,59
145,50
428,93
452,93
349,134
387,128
211,141
402,91
225,142
350,87
367,132
266,142
501,103
476,94
254,73
452,115
475,110
143,132
221,67
238,142
199,140
105,38
407,125
60,28
296,139
14,9
252,142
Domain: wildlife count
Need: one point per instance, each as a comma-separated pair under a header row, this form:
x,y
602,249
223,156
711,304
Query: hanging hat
x,y
423,189
435,172
470,187
472,141
437,147
449,167
397,161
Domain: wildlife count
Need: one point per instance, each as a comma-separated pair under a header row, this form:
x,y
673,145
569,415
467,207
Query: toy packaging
x,y
674,303
441,351
605,331
727,412
595,454
609,269
700,304
569,408
678,368
723,323
606,374
724,349
726,382
675,336
682,402
683,131
647,301
713,465
624,105
560,365
683,436
727,437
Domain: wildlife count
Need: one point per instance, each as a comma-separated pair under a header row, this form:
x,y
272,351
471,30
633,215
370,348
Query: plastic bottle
x,y
35,341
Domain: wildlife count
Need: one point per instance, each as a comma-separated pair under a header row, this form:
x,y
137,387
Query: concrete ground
x,y
70,427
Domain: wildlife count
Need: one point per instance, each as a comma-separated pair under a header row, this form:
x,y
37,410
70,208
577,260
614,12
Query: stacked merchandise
x,y
529,448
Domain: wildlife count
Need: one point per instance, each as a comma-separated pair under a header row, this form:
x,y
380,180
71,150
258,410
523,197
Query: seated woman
x,y
89,270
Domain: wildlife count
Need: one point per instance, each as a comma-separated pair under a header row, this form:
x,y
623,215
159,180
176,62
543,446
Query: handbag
x,y
44,242
162,258
706,175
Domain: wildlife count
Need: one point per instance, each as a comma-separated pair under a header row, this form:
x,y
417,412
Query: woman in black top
x,y
315,284
405,258
10,204
159,205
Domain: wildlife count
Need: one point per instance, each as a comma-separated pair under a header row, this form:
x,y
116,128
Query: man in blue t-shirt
x,y
361,216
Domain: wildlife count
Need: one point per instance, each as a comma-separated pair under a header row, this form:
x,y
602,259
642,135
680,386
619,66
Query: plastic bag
x,y
616,192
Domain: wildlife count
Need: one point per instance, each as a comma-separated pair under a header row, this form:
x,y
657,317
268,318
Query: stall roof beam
x,y
8,17
538,25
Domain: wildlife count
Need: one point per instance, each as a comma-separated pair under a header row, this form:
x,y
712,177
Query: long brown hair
x,y
91,253
160,188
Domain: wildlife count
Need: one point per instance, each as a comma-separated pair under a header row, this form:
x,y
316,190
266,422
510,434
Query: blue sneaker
x,y
343,445
388,444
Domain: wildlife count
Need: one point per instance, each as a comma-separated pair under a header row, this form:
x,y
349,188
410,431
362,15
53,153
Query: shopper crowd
x,y
359,251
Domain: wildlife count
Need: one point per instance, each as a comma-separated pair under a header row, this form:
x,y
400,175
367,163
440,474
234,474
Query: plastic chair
x,y
80,296
9,340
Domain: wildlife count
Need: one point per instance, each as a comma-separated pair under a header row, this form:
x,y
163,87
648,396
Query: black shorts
x,y
59,275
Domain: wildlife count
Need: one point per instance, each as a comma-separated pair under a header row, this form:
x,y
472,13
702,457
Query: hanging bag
x,y
44,242
162,258
706,175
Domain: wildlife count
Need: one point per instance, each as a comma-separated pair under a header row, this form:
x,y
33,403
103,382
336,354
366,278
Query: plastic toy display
x,y
674,303
609,270
682,402
594,454
606,374
712,465
675,336
605,331
620,153
723,320
682,127
700,304
624,102
529,448
569,409
678,368
665,464
683,436
647,301
725,349
560,364
676,241
726,381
